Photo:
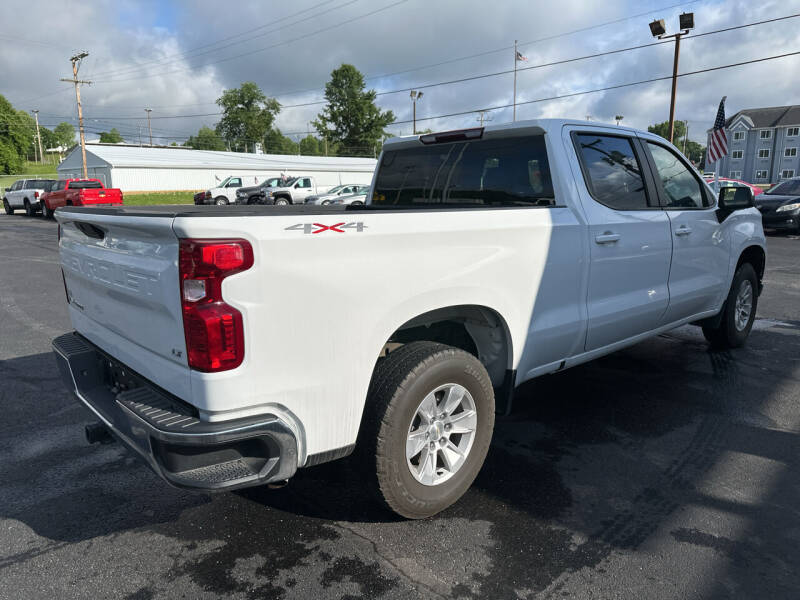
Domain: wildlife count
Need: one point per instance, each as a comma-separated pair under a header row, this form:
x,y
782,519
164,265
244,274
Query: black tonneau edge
x,y
191,210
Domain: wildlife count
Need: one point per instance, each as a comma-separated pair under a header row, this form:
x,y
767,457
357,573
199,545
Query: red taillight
x,y
213,329
35,194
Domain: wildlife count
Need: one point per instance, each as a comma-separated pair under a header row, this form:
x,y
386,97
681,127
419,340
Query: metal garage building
x,y
140,169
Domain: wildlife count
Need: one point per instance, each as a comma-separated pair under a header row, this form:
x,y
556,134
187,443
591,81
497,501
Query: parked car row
x,y
284,190
46,195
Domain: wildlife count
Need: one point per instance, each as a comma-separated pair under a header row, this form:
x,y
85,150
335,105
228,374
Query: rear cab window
x,y
85,185
486,172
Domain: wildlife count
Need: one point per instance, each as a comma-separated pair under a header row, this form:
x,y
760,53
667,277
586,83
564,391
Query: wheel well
x,y
755,256
478,330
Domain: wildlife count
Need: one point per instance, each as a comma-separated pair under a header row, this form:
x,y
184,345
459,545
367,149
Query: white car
x,y
482,259
333,195
25,194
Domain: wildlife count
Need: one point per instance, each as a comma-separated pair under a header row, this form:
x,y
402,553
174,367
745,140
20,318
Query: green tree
x,y
662,129
65,134
247,116
16,137
694,152
111,137
206,139
351,120
310,146
277,143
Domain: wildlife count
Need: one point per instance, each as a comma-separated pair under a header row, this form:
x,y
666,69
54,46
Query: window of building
x,y
761,175
681,188
735,175
738,135
787,173
736,154
765,134
790,152
763,153
793,132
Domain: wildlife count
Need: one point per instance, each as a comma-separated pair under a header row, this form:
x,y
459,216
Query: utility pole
x,y
150,129
658,29
415,95
38,135
75,65
685,137
516,55
483,115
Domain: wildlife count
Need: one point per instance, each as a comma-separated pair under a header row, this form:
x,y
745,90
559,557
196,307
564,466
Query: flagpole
x,y
514,118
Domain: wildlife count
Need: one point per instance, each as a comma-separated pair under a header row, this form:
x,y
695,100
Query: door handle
x,y
683,230
606,238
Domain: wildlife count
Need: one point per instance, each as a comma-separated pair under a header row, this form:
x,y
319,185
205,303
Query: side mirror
x,y
735,198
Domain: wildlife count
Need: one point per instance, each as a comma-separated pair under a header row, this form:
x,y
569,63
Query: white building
x,y
141,169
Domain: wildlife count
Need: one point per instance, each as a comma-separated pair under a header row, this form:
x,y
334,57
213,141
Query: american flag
x,y
520,57
718,144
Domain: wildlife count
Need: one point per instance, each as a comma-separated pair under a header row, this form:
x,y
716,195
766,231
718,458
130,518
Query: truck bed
x,y
192,210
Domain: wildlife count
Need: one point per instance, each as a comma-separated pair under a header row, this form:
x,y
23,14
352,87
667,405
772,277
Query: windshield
x,y
788,188
501,172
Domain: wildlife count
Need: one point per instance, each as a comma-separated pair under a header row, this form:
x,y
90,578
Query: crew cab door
x,y
700,250
629,237
14,194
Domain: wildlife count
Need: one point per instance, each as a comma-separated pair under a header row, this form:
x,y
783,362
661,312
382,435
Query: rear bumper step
x,y
167,433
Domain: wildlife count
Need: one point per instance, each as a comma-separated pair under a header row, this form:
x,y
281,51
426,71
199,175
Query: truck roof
x,y
535,127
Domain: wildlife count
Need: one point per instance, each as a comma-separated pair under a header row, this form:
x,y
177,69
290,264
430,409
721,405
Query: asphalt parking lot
x,y
663,471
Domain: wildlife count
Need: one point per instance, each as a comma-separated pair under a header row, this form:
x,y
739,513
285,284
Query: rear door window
x,y
612,171
500,172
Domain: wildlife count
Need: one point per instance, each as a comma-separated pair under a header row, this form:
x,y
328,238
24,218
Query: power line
x,y
505,72
607,88
256,51
185,55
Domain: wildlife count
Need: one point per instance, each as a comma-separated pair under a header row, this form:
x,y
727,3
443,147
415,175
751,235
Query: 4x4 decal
x,y
321,228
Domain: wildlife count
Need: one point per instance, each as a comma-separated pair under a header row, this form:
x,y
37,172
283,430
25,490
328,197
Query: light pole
x,y
619,118
659,31
415,95
150,129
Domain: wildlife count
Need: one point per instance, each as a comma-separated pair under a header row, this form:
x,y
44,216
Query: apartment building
x,y
763,144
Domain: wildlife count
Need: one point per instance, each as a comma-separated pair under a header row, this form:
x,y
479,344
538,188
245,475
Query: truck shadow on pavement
x,y
592,463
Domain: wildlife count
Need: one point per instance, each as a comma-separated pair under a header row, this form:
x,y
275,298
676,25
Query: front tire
x,y
281,201
220,200
739,312
7,207
427,427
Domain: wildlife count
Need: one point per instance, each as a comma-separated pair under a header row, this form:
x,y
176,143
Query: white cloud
x,y
138,58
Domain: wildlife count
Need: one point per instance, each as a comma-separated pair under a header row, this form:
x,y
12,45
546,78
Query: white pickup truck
x,y
25,194
230,347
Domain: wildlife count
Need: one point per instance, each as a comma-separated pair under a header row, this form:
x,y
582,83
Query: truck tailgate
x,y
91,196
121,275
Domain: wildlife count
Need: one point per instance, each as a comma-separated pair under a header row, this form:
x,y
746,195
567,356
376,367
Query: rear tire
x,y
7,207
46,212
401,391
220,200
739,312
29,211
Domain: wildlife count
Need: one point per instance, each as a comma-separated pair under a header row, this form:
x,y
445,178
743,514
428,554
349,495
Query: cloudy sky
x,y
176,57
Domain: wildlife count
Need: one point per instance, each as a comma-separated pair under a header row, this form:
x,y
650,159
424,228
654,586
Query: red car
x,y
734,183
78,192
